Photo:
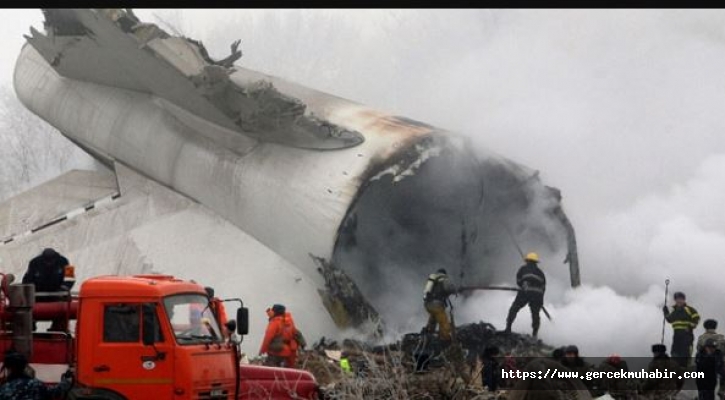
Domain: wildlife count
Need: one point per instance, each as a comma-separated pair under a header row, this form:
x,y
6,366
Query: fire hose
x,y
508,288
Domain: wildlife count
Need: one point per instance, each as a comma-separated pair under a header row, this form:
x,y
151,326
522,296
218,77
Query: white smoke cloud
x,y
622,110
676,235
619,109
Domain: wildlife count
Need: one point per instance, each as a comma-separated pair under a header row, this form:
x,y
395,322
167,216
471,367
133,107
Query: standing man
x,y
683,319
709,363
710,326
435,299
667,386
532,284
279,341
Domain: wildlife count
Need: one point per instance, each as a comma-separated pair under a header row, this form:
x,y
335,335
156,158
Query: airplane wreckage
x,y
347,200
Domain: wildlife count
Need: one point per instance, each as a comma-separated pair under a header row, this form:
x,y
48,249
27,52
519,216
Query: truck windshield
x,y
192,319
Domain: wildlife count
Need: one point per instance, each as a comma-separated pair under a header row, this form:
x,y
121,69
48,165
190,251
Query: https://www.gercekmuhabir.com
x,y
591,375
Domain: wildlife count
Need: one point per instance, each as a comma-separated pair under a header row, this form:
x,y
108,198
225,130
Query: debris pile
x,y
417,366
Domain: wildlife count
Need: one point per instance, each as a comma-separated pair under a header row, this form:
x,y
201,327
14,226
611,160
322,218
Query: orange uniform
x,y
220,311
281,326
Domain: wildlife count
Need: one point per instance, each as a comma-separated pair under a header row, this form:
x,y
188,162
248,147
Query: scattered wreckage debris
x,y
185,75
344,301
394,370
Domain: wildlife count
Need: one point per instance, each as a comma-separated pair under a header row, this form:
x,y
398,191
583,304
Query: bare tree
x,y
31,151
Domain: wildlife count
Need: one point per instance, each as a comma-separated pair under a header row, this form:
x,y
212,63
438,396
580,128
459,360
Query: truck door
x,y
134,355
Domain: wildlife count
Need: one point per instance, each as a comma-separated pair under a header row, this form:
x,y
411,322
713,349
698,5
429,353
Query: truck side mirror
x,y
242,321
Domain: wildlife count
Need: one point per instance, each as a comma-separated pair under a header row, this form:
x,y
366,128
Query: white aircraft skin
x,y
292,200
291,193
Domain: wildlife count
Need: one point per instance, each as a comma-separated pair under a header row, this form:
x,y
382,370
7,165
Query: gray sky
x,y
16,23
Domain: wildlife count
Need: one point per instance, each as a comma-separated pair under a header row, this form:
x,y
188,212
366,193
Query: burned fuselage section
x,y
378,200
438,204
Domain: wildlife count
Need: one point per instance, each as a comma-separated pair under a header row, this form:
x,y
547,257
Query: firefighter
x,y
435,299
683,319
48,273
667,387
20,386
279,341
532,283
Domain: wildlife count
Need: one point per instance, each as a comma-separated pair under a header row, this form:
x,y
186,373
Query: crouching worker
x,y
21,386
50,273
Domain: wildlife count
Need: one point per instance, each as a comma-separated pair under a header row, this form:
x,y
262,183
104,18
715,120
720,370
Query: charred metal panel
x,y
113,48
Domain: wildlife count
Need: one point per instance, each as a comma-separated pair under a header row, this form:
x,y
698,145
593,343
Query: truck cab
x,y
152,337
140,335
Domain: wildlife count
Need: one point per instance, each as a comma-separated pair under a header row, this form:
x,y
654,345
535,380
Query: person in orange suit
x,y
217,307
280,342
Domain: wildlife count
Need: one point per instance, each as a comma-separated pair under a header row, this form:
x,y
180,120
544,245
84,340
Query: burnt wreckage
x,y
359,200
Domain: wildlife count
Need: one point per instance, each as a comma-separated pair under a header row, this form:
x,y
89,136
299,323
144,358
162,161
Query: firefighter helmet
x,y
533,257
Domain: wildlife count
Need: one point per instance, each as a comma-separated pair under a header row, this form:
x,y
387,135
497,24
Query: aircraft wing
x,y
123,223
72,193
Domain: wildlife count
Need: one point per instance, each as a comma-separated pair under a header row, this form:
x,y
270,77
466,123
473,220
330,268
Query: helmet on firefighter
x,y
679,295
533,257
442,271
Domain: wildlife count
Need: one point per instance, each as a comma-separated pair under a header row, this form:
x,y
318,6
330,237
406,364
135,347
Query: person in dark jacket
x,y
709,361
50,272
558,353
47,272
574,362
21,386
491,374
661,388
619,388
532,284
684,320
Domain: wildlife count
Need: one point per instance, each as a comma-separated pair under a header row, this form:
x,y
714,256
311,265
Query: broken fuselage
x,y
308,174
